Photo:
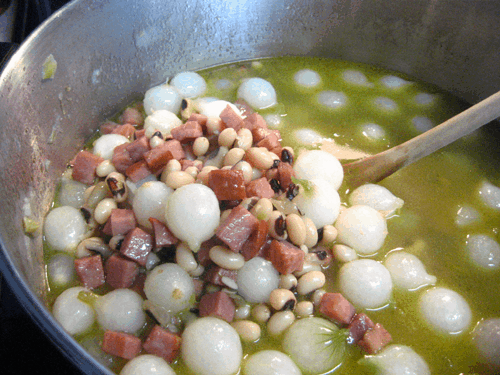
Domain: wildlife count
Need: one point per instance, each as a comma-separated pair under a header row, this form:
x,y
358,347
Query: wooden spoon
x,y
375,168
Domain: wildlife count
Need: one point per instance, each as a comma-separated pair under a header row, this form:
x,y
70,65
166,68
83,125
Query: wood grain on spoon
x,y
379,166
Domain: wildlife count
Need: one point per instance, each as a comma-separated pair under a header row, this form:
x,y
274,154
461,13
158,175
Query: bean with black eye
x,y
288,281
275,185
275,163
261,313
277,225
115,242
282,299
117,186
287,155
292,191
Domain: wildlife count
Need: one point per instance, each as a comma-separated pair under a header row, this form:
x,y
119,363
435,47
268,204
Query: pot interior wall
x,y
109,52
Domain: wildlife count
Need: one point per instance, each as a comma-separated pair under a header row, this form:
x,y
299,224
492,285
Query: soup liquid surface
x,y
433,190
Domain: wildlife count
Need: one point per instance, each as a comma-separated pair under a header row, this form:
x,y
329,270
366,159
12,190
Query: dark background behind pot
x,y
23,344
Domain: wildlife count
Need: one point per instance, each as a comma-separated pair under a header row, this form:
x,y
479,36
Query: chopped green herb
x,y
49,67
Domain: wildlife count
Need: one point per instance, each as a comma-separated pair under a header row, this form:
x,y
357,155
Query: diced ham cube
x,y
121,344
108,127
136,245
237,228
162,343
157,158
162,235
138,285
175,147
245,108
260,188
187,132
358,326
85,164
121,158
121,221
256,241
218,305
216,273
126,130
137,148
231,119
271,141
227,184
337,308
138,171
139,133
255,121
203,254
185,163
285,257
375,339
120,272
131,116
199,286
285,174
199,118
90,271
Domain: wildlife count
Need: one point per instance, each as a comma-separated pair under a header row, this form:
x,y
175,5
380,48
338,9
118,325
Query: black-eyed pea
x,y
310,281
226,258
214,125
272,174
311,232
277,225
193,171
104,168
116,242
249,203
233,156
246,168
261,313
152,260
97,194
244,139
184,257
198,164
200,146
117,187
156,140
256,173
307,267
90,246
88,192
198,271
216,158
282,299
296,229
288,281
224,215
344,253
187,108
203,174
242,312
287,155
304,248
304,309
260,158
329,234
103,210
173,165
249,331
262,209
227,137
317,296
279,322
178,179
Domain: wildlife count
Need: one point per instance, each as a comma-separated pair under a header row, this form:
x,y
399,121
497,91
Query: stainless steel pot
x,y
109,52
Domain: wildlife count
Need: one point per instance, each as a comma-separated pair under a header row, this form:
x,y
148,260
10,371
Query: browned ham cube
x,y
131,116
162,343
285,257
121,158
121,344
256,241
137,148
187,132
120,272
138,171
84,166
375,339
227,184
90,271
285,174
255,121
162,235
270,141
199,118
218,305
337,308
358,326
121,221
127,130
237,228
215,274
231,119
260,188
136,245
157,158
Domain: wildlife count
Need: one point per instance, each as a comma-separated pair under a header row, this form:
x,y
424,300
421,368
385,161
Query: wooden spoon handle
x,y
377,167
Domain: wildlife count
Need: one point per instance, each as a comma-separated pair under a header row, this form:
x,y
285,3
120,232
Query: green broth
x,y
433,189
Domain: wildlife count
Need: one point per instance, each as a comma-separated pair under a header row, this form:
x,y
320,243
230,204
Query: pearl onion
x,y
74,315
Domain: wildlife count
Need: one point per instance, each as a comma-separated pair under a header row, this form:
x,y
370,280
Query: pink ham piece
x,y
218,305
256,241
137,148
285,257
121,158
255,121
162,343
121,221
187,132
271,141
108,127
358,326
136,245
260,188
157,158
131,116
199,118
216,273
337,308
120,272
127,130
375,339
237,228
121,344
90,271
84,166
285,174
227,184
175,147
138,171
231,119
162,235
